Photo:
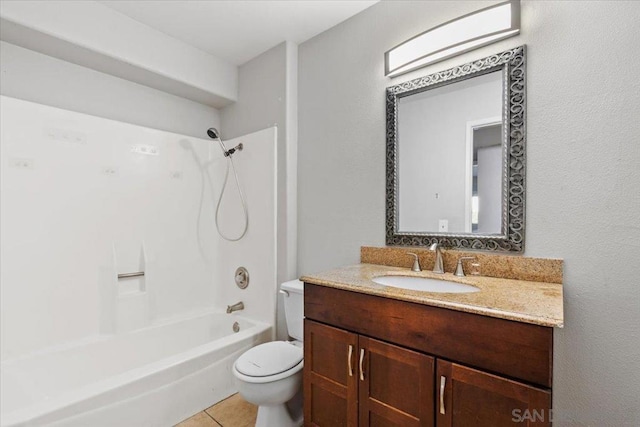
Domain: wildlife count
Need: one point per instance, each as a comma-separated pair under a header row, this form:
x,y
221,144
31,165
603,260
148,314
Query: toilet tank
x,y
294,308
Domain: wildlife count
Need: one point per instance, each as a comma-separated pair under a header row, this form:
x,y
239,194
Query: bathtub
x,y
156,376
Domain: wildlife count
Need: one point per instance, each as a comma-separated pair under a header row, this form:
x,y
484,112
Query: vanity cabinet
x,y
375,361
354,380
469,397
330,384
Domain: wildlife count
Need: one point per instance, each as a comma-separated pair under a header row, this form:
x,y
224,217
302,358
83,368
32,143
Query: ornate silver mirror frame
x,y
511,238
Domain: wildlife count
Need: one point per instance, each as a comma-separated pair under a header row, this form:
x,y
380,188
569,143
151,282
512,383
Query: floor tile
x,y
201,419
234,412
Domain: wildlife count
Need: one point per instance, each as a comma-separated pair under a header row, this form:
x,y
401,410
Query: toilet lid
x,y
269,359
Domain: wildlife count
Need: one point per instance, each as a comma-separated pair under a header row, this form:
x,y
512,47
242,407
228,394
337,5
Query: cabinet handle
x,y
443,382
361,363
349,360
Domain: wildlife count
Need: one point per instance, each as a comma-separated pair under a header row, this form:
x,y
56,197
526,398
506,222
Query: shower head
x,y
213,133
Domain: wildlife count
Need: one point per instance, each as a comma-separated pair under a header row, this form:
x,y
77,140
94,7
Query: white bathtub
x,y
156,376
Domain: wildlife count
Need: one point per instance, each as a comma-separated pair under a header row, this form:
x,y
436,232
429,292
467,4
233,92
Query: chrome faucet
x,y
438,267
235,307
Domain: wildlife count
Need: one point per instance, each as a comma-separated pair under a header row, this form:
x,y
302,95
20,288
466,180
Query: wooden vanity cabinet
x,y
330,381
353,380
374,361
469,397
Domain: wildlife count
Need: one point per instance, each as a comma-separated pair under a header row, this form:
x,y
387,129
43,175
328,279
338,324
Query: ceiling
x,y
238,30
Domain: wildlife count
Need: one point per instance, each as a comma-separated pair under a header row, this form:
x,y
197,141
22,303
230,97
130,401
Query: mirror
x,y
455,156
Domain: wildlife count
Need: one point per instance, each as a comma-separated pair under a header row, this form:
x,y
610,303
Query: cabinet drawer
x,y
517,350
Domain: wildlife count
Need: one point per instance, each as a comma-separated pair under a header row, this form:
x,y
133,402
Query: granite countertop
x,y
538,303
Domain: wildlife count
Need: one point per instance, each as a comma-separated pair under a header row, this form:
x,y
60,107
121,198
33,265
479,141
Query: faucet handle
x,y
416,262
460,269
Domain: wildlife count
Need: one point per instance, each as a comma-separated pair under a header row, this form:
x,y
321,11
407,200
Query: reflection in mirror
x,y
456,158
443,135
486,185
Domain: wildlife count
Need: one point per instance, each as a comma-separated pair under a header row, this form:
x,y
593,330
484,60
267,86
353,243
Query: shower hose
x,y
231,165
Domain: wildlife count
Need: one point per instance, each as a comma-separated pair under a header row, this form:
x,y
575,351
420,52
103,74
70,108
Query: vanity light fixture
x,y
452,38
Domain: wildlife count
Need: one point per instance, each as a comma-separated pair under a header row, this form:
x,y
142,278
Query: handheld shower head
x,y
213,133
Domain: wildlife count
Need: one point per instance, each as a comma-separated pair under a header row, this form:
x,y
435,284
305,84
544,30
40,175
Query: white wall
x,y
256,166
91,34
490,189
79,206
267,96
582,176
432,150
40,78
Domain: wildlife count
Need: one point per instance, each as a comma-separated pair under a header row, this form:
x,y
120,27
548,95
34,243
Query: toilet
x,y
270,375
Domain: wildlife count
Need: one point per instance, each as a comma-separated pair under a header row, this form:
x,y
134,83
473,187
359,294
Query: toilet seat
x,y
269,362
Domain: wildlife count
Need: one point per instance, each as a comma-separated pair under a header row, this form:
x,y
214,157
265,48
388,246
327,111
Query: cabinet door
x,y
396,385
330,386
467,397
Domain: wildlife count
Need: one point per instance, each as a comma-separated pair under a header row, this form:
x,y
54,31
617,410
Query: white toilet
x,y
270,375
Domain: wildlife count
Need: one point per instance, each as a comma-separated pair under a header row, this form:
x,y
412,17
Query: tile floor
x,y
231,412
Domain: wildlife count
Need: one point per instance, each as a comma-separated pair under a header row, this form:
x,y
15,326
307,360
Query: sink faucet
x,y
416,262
438,266
235,307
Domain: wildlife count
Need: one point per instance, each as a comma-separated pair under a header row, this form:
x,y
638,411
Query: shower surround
x,y
84,199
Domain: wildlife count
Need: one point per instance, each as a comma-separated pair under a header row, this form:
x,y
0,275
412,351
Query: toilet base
x,y
276,416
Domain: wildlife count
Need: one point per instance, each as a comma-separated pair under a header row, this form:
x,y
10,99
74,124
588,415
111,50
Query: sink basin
x,y
424,284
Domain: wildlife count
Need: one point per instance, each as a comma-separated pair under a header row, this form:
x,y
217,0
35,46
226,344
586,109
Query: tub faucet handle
x,y
416,262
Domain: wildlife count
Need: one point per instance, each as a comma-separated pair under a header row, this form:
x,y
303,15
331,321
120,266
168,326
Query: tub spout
x,y
235,307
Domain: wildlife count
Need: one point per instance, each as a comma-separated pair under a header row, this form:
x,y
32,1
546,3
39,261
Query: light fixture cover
x,y
452,38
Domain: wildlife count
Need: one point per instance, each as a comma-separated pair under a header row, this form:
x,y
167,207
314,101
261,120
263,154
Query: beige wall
x,y
583,181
